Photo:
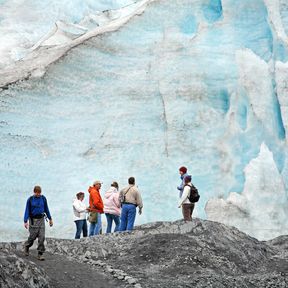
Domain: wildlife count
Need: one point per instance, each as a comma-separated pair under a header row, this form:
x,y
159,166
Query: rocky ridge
x,y
196,254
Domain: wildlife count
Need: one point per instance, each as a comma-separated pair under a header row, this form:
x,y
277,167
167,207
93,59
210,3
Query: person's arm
x,y
46,210
97,202
78,207
139,202
27,213
184,195
180,187
117,201
121,196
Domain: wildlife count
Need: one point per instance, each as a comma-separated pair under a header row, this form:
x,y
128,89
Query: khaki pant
x,y
36,230
187,210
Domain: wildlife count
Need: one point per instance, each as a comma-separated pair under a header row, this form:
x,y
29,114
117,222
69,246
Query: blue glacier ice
x,y
194,83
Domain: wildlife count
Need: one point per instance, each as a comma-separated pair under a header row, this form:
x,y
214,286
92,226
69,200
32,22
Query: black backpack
x,y
193,196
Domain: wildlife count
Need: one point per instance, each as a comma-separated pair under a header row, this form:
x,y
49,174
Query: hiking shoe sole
x,y
41,257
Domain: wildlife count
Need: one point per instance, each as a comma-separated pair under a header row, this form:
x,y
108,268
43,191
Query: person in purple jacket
x,y
36,210
183,174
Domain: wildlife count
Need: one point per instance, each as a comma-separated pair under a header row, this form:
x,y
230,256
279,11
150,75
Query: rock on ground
x,y
195,254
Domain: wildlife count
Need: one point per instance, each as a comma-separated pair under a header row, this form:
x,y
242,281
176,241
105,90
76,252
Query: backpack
x,y
193,196
30,207
30,203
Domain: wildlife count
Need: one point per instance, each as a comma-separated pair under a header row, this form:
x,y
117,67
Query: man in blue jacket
x,y
36,210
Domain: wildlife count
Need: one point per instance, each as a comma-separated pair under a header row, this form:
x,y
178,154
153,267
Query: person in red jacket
x,y
95,206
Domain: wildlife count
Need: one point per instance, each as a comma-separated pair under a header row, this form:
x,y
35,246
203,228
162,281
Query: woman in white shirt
x,y
187,206
80,209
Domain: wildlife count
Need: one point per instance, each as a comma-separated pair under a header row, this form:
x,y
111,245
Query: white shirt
x,y
79,209
186,192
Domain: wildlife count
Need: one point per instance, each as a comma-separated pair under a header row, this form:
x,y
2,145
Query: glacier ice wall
x,y
195,83
23,23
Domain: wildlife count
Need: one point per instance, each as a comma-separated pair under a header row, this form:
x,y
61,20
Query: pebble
x,y
110,270
120,277
130,280
87,254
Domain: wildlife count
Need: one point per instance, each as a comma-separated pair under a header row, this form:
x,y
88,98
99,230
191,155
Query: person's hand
x,y
51,223
26,225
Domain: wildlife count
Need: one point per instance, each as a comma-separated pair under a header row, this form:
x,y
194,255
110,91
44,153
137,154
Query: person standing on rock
x,y
95,207
183,174
80,209
187,206
130,198
112,207
36,210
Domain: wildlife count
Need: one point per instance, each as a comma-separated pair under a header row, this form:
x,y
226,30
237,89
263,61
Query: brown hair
x,y
115,184
37,189
131,180
79,194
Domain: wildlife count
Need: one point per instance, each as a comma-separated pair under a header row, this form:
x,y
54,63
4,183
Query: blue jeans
x,y
95,228
110,218
128,215
81,225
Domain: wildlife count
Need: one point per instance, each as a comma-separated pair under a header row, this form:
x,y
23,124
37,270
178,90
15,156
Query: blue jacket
x,y
36,206
181,186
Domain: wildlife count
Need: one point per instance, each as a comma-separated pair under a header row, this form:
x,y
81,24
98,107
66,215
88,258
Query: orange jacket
x,y
95,200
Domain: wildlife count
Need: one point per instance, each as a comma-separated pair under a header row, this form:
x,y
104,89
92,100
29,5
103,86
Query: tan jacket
x,y
133,196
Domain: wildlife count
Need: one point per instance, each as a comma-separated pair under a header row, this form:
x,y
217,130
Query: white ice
x,y
261,209
23,23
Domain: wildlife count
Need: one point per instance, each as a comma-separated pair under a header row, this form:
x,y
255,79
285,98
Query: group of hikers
x,y
114,204
118,206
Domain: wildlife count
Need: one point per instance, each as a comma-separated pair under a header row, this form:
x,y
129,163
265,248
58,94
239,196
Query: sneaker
x,y
41,257
26,251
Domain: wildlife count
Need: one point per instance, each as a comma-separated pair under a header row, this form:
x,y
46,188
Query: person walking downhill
x,y
80,209
130,198
36,210
112,207
95,207
187,206
183,174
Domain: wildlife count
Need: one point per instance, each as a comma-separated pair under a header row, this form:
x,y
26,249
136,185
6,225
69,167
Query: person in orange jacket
x,y
95,205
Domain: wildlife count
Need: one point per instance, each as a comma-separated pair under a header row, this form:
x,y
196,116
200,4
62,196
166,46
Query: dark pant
x,y
128,215
110,219
187,210
81,225
36,230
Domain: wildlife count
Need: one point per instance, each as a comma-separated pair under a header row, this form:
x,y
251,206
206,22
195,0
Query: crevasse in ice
x,y
195,83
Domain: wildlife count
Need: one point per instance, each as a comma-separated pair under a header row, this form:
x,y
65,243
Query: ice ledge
x,y
64,37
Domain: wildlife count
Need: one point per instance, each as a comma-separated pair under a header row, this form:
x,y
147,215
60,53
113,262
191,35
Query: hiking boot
x,y
26,251
41,257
